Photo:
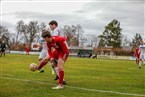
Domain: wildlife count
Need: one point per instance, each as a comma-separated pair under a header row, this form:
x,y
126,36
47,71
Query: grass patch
x,y
98,74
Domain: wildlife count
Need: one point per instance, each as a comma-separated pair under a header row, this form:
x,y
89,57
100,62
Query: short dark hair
x,y
45,34
53,22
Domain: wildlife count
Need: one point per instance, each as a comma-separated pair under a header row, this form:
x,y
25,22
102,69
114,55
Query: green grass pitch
x,y
85,78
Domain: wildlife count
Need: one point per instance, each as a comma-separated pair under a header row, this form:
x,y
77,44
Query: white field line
x,y
86,89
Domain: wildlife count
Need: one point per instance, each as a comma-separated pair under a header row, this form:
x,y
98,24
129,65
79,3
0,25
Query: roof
x,y
84,48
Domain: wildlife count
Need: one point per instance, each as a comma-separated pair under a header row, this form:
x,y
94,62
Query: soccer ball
x,y
33,67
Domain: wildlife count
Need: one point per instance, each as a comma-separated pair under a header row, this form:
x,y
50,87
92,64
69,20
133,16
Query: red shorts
x,y
137,56
56,55
27,49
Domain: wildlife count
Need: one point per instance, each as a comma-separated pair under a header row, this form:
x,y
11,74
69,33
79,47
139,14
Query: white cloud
x,y
43,7
93,16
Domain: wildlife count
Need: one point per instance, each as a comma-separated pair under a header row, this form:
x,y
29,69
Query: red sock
x,y
61,76
42,64
137,61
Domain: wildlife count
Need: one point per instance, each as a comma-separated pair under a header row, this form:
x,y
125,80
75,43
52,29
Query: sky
x,y
92,15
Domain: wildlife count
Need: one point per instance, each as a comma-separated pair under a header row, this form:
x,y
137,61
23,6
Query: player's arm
x,y
49,51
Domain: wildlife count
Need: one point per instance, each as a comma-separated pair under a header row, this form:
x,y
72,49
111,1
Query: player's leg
x,y
55,70
61,74
141,60
137,59
40,59
62,58
41,56
54,63
4,52
28,52
43,62
144,59
0,54
42,69
45,54
52,68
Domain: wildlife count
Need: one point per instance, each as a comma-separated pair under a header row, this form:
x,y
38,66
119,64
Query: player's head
x,y
46,35
53,24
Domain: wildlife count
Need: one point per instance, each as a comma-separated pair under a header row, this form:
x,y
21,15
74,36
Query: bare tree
x,y
33,28
74,34
79,34
12,38
42,26
83,41
19,29
92,40
25,33
125,41
4,36
69,31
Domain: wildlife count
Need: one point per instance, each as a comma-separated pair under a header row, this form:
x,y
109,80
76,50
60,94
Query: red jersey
x,y
27,49
58,43
137,52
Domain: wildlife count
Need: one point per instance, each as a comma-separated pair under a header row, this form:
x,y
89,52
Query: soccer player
x,y
137,54
56,31
27,49
3,47
142,53
60,53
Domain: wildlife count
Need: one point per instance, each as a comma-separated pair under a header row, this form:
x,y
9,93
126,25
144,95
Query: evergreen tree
x,y
111,35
